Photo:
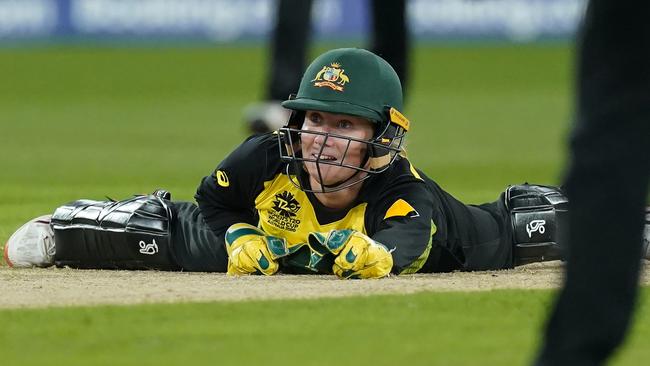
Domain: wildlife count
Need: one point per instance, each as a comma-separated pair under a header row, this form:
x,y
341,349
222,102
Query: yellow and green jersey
x,y
400,208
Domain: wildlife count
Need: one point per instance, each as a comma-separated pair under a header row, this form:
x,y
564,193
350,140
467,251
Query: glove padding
x,y
357,256
251,251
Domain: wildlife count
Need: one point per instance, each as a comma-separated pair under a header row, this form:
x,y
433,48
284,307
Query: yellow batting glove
x,y
251,251
357,256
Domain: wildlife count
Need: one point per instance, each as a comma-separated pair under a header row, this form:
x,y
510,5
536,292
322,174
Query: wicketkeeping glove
x,y
251,251
357,256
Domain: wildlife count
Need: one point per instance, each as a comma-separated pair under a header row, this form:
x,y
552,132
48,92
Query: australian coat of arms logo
x,y
285,204
332,76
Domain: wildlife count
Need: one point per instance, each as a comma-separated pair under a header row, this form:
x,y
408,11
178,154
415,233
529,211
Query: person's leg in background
x,y
389,36
288,48
289,45
606,185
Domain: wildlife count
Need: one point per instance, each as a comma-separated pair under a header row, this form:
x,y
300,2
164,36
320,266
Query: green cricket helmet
x,y
356,82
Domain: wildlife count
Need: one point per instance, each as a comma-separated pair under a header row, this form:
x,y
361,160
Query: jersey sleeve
x,y
227,196
403,223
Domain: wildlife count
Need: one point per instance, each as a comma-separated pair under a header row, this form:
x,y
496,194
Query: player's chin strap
x,y
382,150
388,143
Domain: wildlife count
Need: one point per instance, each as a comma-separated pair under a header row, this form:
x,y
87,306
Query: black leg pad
x,y
130,234
538,215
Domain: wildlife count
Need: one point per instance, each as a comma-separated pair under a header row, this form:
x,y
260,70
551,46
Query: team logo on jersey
x,y
332,76
285,209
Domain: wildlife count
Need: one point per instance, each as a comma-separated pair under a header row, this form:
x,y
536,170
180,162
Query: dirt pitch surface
x,y
36,287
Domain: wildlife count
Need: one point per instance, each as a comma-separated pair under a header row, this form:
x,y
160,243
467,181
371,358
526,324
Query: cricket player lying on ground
x,y
331,192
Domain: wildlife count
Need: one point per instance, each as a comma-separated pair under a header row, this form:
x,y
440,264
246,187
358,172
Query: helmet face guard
x,y
347,81
381,151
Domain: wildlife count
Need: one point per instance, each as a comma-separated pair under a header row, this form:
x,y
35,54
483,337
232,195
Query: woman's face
x,y
333,149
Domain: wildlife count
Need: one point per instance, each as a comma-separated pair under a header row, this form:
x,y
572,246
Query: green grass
x,y
484,328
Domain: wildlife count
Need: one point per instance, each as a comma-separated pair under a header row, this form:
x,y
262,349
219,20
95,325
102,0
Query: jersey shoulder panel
x,y
245,169
258,156
392,193
399,215
228,193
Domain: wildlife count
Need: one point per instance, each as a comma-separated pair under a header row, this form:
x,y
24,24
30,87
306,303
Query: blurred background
x,y
116,97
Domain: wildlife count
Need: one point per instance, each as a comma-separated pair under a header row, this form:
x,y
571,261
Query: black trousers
x,y
196,247
607,186
469,237
291,34
480,239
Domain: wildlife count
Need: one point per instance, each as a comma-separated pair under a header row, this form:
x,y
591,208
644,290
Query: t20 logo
x,y
286,204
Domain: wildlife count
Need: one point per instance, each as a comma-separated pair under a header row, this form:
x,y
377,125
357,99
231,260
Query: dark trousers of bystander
x,y
389,39
607,186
